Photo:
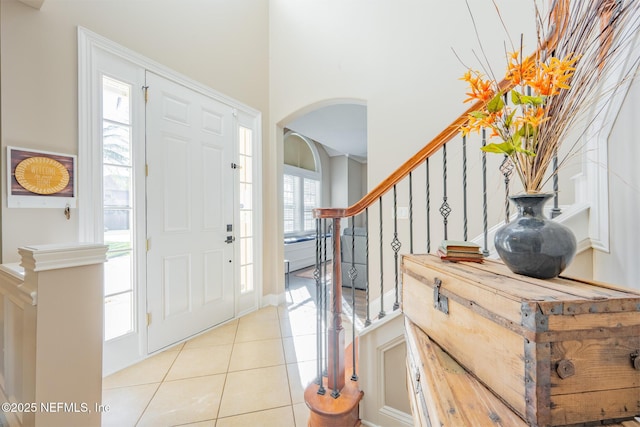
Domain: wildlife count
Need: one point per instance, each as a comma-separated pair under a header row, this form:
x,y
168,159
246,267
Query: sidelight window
x,y
117,196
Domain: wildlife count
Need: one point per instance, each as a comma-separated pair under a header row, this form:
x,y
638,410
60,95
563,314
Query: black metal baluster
x,y
410,213
506,167
319,329
395,245
366,227
353,274
382,313
325,296
445,209
464,187
336,315
428,206
556,210
485,226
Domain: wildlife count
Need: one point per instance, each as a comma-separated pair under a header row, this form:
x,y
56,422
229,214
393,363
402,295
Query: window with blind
x,y
301,196
301,184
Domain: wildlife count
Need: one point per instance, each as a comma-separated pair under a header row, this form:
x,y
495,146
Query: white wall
x,y
221,44
355,181
339,182
325,162
348,183
394,55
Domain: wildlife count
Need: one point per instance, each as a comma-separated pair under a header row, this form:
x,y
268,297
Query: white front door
x,y
190,212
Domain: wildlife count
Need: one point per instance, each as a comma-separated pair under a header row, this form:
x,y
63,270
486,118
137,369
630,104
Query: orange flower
x,y
480,89
534,117
520,73
542,84
519,119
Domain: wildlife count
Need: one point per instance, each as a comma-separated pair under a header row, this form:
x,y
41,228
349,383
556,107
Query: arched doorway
x,y
324,164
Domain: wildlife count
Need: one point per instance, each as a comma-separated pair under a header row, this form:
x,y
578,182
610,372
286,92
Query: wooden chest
x,y
558,352
442,393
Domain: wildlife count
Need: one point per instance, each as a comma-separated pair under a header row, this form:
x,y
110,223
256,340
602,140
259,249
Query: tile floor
x,y
249,372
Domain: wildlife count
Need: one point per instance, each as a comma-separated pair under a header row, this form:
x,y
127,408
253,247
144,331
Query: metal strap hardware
x,y
440,302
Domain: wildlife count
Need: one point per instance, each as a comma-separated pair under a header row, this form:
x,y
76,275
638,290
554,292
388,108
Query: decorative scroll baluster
x,y
410,213
319,328
506,167
464,187
428,206
353,273
366,227
395,245
485,219
445,209
382,313
556,210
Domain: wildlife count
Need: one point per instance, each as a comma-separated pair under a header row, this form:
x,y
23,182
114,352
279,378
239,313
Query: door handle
x,y
230,239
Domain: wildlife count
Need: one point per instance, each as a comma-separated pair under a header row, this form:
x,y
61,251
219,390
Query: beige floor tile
x,y
278,417
301,414
300,376
269,312
299,348
256,354
208,423
151,370
283,310
126,404
307,306
220,335
200,361
298,323
299,297
256,329
175,347
255,390
184,401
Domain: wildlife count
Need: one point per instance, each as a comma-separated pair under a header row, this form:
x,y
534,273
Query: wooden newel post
x,y
339,408
335,370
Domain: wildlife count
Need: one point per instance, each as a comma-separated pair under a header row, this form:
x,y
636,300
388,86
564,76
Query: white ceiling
x,y
341,128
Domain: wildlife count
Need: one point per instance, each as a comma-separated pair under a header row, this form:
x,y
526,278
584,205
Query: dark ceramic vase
x,y
532,244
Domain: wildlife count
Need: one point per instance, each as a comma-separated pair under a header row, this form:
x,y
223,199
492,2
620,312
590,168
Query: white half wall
x,y
620,266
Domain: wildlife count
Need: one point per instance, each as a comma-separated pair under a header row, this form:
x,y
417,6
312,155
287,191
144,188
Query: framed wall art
x,y
40,179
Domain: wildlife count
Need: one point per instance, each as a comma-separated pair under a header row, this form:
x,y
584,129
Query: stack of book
x,y
453,250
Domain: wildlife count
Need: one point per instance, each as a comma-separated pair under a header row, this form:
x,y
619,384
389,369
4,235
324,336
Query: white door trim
x,y
89,126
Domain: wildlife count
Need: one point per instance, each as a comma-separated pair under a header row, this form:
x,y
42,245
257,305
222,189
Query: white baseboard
x,y
273,299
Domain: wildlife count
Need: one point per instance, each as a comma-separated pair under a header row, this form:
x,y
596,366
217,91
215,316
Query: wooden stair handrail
x,y
559,17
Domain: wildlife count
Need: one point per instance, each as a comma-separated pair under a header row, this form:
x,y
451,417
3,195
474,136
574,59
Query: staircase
x,y
447,190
